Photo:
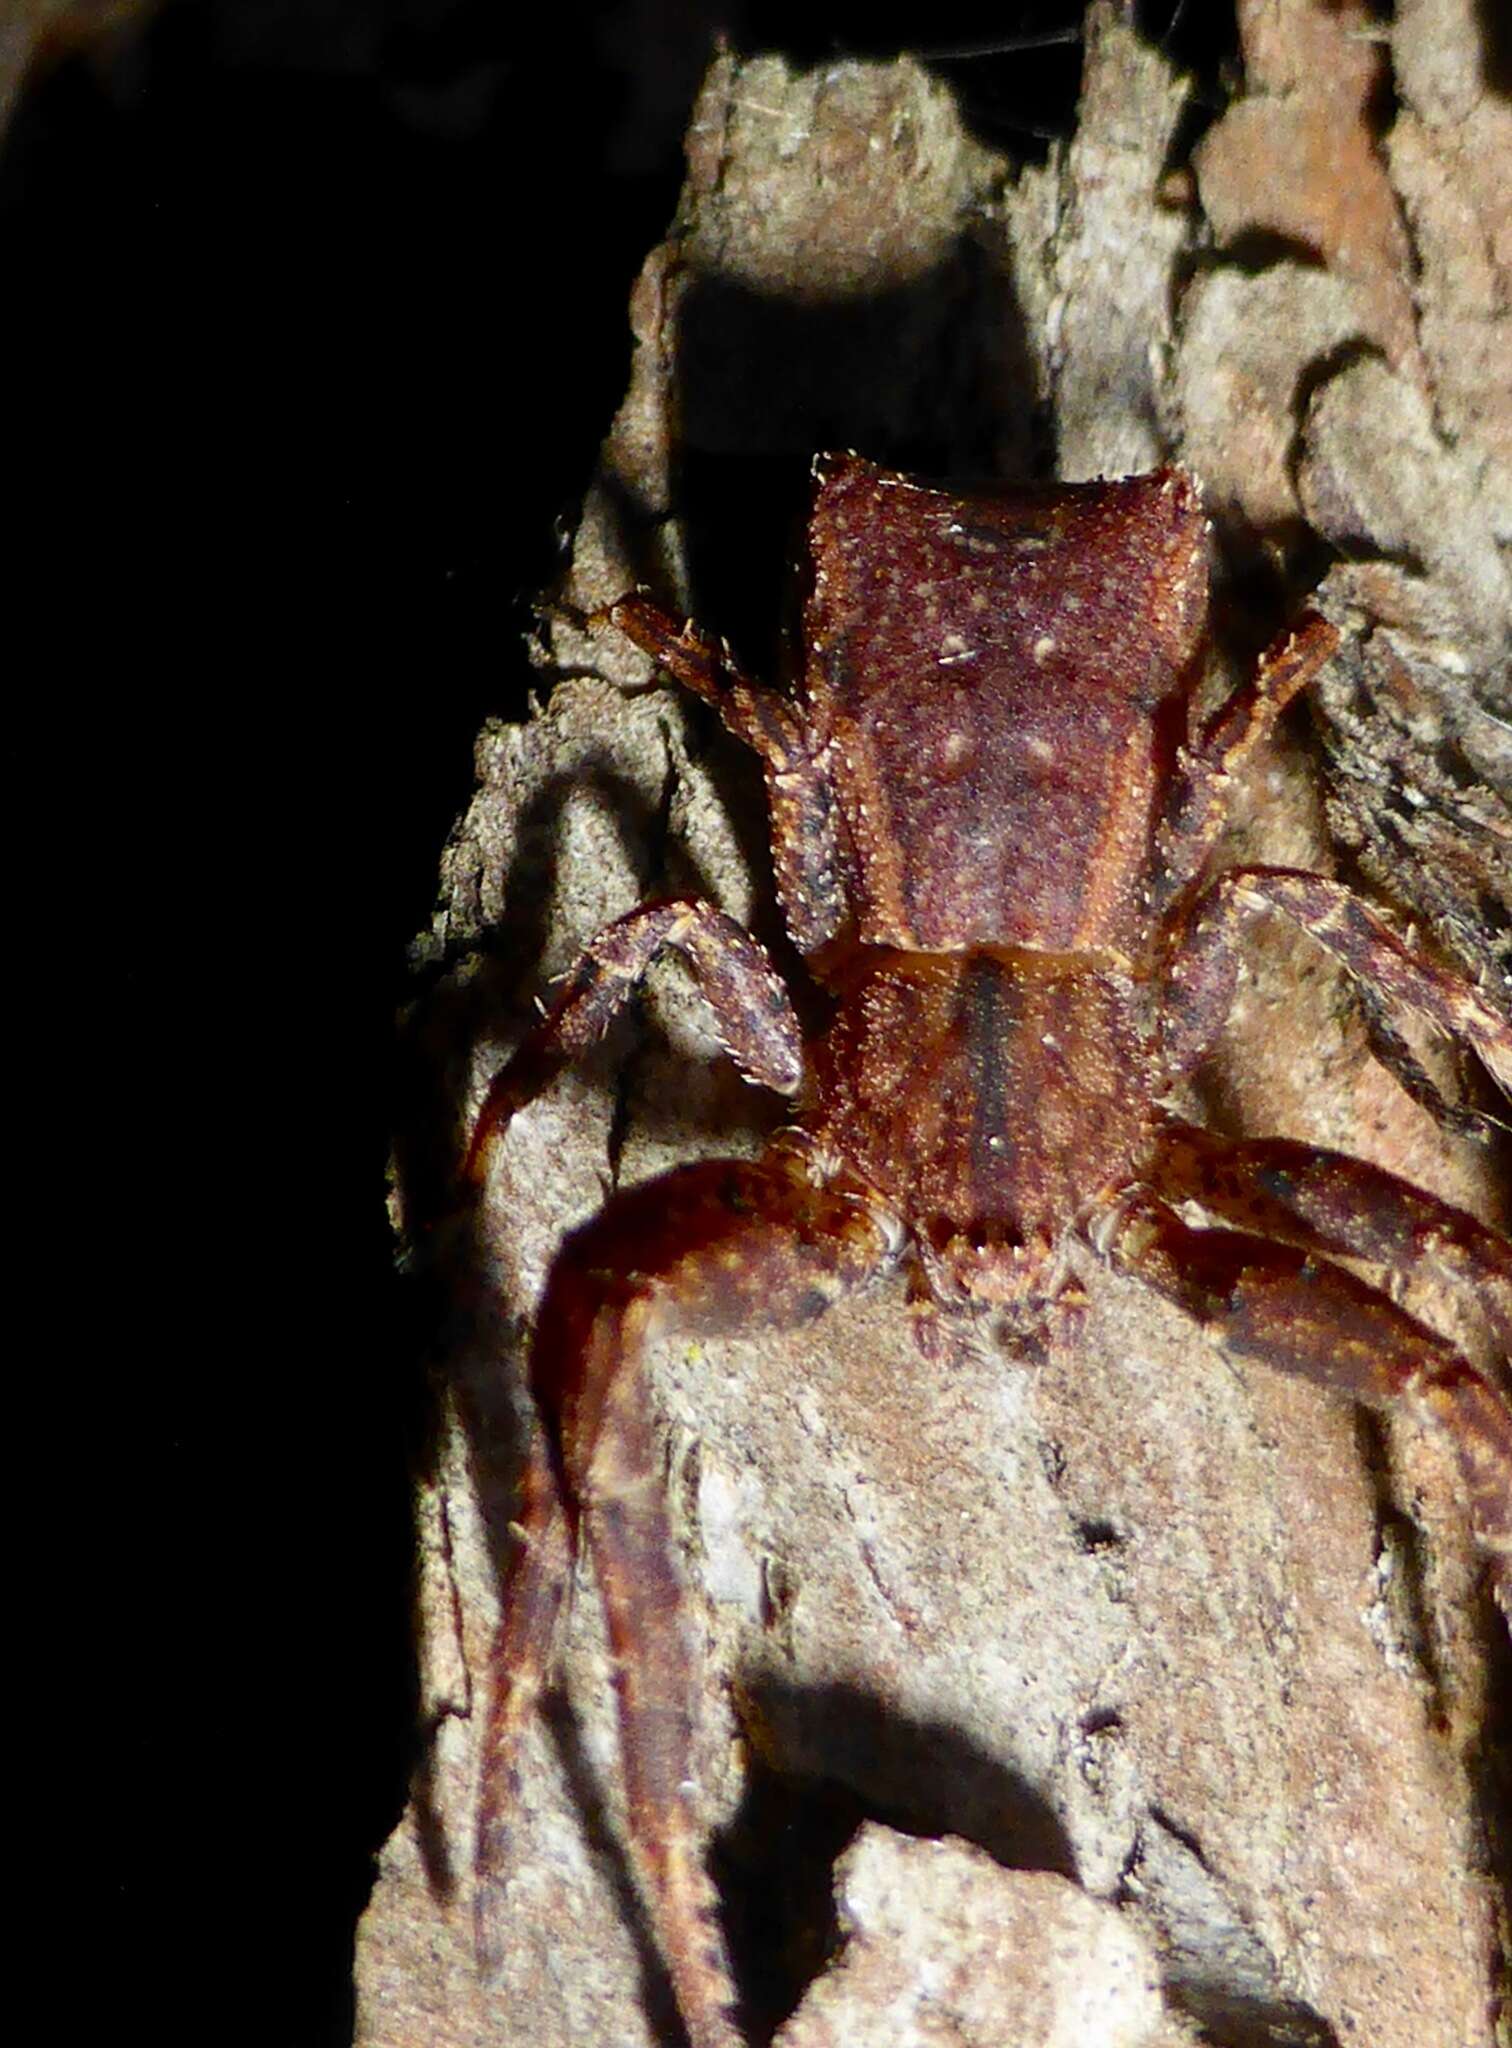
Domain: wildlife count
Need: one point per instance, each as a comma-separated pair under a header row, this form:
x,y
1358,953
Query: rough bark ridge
x,y
1196,1659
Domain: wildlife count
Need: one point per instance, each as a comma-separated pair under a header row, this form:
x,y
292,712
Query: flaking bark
x,y
1195,1651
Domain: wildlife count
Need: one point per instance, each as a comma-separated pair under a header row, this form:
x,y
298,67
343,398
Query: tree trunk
x,y
1198,1658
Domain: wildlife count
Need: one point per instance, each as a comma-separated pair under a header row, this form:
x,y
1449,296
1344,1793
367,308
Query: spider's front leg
x,y
1331,1202
709,1248
1301,1314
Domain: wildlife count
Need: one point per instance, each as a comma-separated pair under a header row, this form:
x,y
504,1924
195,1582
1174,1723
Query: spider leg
x,y
1205,970
1226,742
1300,1314
1330,1202
711,1247
519,1666
705,666
806,831
756,1023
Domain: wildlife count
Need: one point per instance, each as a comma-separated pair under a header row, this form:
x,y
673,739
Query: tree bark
x,y
1197,1658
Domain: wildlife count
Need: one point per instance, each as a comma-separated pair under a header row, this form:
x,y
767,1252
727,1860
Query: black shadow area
x,y
290,418
827,1760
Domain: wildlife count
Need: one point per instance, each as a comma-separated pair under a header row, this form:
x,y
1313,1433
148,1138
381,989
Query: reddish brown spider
x,y
991,809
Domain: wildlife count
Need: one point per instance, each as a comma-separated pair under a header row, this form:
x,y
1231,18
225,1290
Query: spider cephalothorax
x,y
992,804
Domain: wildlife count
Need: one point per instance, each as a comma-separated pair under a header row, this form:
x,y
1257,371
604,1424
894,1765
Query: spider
x,y
992,804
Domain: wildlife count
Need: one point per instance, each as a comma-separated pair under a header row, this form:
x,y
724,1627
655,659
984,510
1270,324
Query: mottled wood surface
x,y
1200,1659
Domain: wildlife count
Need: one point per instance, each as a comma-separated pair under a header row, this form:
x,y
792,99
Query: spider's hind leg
x,y
1204,973
751,1009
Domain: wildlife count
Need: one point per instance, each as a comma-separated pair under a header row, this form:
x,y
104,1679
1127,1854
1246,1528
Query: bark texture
x,y
1158,1690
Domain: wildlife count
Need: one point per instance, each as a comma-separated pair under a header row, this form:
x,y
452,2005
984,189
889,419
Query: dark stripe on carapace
x,y
991,1011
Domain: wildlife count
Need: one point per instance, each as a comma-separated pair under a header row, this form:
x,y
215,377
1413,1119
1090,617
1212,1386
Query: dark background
x,y
317,316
